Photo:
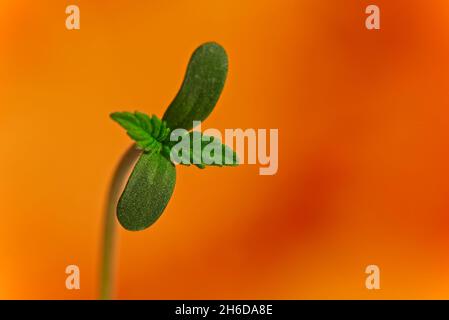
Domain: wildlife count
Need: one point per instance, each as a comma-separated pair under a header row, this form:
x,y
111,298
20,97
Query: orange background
x,y
363,161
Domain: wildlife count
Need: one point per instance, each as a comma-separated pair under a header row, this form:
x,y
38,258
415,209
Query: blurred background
x,y
363,125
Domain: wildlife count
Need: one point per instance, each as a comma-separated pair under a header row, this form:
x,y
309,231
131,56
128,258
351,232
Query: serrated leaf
x,y
201,88
148,133
144,120
149,188
201,151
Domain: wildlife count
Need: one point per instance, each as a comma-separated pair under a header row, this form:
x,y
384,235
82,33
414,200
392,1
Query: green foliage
x,y
151,184
147,192
201,89
148,133
206,151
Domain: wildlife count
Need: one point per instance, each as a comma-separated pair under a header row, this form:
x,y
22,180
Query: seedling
x,y
152,181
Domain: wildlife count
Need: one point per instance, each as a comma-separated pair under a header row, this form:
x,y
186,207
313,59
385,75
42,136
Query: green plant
x,y
152,181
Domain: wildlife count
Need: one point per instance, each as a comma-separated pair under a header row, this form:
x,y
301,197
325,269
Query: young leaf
x,y
206,151
148,133
202,86
147,192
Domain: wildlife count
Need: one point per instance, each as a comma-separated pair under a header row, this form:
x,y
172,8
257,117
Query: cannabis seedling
x,y
152,181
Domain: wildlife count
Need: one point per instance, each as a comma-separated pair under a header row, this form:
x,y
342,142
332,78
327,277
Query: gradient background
x,y
363,172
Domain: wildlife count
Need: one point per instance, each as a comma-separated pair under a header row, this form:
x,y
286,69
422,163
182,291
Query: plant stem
x,y
107,274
